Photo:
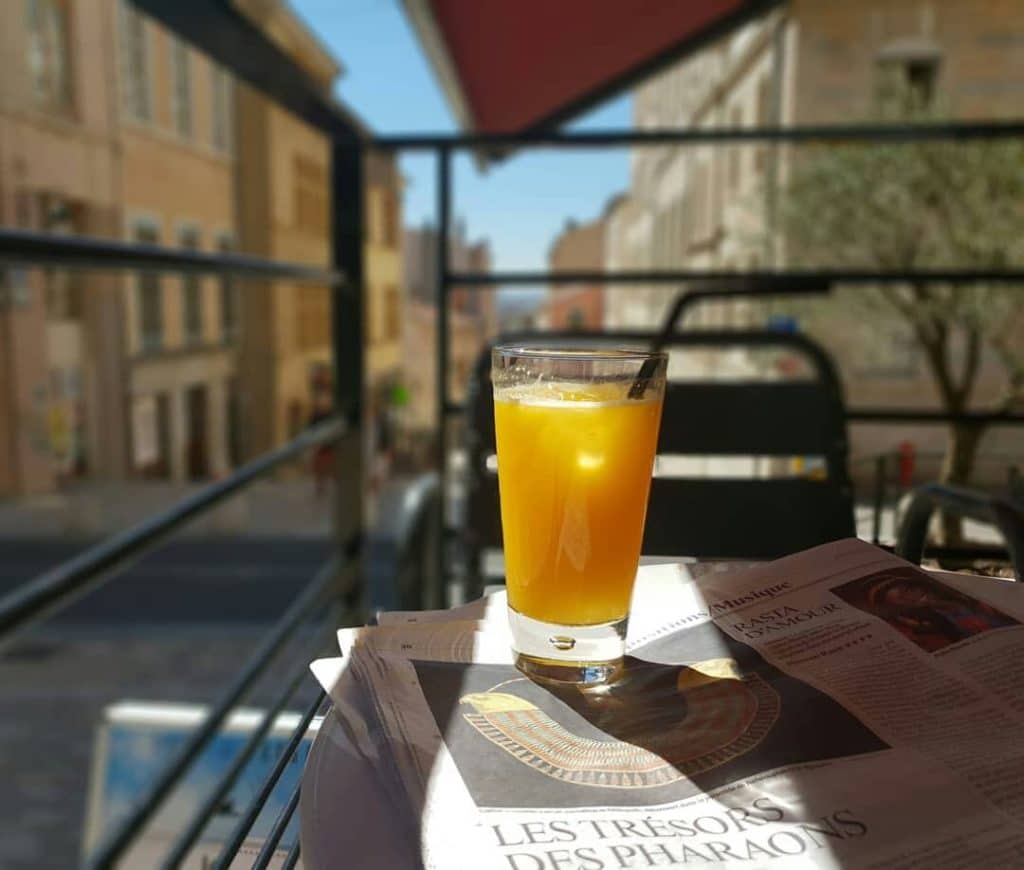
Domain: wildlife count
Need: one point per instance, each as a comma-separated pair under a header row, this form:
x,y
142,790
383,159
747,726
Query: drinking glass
x,y
576,436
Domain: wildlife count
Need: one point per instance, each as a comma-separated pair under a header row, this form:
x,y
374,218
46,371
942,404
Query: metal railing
x,y
226,35
335,590
703,284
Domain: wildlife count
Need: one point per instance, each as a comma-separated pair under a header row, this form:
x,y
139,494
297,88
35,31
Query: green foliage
x,y
919,205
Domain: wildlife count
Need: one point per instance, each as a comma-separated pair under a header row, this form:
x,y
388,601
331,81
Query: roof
x,y
517,66
282,24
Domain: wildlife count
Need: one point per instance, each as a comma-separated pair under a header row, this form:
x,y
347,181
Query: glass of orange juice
x,y
576,436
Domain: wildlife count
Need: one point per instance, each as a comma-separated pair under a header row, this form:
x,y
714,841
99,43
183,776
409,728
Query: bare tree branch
x,y
972,357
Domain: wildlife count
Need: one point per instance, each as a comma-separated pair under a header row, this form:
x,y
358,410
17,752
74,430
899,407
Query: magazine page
x,y
923,663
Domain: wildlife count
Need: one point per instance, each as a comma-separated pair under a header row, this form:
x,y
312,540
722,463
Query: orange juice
x,y
574,469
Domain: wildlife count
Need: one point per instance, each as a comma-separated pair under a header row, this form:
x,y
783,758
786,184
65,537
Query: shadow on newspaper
x,y
696,711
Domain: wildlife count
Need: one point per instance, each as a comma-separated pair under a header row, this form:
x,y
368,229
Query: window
x,y
220,109
181,72
702,202
764,119
735,151
135,64
392,313
389,236
906,75
192,301
233,414
310,192
228,298
63,299
920,77
313,320
150,298
49,52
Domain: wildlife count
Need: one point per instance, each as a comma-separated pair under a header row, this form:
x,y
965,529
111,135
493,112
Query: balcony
x,y
246,683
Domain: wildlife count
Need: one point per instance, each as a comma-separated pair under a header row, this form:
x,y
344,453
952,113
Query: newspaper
x,y
835,708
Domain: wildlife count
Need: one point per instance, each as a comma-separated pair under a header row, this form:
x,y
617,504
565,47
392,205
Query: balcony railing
x,y
220,31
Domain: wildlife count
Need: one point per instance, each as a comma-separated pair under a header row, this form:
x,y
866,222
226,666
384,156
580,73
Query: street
x,y
190,580
174,628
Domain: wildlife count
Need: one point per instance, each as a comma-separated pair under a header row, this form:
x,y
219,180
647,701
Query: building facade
x,y
385,310
283,195
112,126
579,247
472,319
808,62
177,189
285,213
59,331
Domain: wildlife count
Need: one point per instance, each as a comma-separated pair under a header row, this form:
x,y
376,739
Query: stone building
x,y
382,253
112,126
472,319
176,188
109,126
59,332
284,213
808,62
578,247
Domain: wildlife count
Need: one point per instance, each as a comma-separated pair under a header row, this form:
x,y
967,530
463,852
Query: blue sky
x,y
519,205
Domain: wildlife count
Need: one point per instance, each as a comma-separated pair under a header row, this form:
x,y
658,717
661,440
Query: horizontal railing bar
x,y
115,843
36,248
886,415
747,283
201,818
870,132
60,586
999,554
882,415
277,829
237,836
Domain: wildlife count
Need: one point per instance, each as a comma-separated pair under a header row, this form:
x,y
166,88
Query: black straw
x,y
650,365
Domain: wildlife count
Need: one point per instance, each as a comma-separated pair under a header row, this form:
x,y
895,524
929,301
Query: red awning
x,y
511,66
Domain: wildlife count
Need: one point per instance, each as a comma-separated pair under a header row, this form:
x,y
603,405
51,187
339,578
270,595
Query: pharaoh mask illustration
x,y
664,723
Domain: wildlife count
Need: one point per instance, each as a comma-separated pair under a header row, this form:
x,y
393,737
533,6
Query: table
x,y
344,810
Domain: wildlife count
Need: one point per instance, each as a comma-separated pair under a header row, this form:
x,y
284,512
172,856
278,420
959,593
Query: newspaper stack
x,y
839,707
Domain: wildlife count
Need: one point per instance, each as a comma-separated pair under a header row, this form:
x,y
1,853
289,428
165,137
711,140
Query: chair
x,y
711,517
1005,513
401,547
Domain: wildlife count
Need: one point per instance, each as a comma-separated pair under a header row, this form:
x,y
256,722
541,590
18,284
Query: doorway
x,y
197,460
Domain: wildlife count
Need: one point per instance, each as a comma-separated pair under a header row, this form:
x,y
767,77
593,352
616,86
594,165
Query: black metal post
x,y
277,829
881,467
347,306
293,857
444,167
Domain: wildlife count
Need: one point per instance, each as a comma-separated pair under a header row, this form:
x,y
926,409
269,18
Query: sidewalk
x,y
95,510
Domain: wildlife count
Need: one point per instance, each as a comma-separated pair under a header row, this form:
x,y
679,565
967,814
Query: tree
x,y
927,204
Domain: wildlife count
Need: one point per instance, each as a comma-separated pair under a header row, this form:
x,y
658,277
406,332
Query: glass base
x,y
581,654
